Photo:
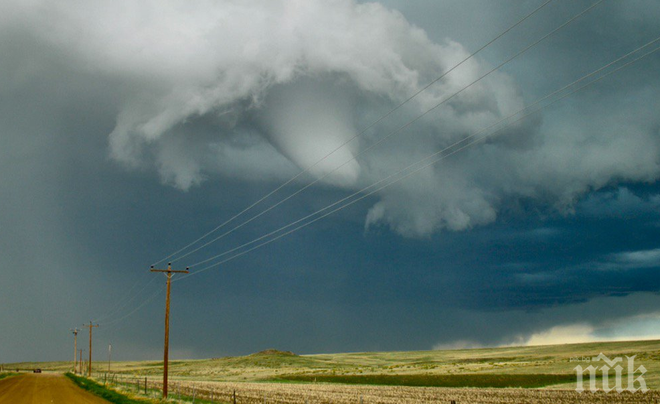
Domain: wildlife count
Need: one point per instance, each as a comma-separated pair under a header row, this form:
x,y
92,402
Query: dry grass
x,y
288,393
554,359
256,376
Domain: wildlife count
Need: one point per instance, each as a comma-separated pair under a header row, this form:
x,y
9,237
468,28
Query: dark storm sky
x,y
127,132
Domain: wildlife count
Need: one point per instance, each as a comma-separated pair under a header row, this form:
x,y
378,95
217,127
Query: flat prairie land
x,y
320,393
536,374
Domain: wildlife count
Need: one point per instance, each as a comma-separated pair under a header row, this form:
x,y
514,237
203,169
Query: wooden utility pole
x,y
75,348
90,347
169,273
81,365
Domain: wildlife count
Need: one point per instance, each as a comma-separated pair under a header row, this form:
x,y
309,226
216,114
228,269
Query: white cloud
x,y
605,318
627,260
251,89
461,344
639,259
296,66
639,327
570,334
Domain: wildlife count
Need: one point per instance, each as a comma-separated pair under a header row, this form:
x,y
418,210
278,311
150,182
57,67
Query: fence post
x,y
145,385
234,396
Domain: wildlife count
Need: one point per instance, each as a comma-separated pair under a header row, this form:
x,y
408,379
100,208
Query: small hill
x,y
273,352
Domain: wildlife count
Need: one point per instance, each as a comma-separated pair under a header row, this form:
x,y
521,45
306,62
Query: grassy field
x,y
105,393
542,374
425,380
540,366
322,393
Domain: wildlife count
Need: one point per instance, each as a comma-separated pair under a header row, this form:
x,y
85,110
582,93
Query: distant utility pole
x,y
109,356
81,365
75,348
169,273
90,346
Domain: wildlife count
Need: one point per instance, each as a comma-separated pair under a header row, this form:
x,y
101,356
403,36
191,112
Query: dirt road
x,y
44,389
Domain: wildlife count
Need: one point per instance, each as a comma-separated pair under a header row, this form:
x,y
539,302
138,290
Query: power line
x,y
397,131
150,298
348,141
122,303
113,329
442,157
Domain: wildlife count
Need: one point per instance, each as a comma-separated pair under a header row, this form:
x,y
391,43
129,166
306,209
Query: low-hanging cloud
x,y
253,89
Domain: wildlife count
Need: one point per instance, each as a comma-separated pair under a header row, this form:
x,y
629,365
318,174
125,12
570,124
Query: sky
x,y
130,130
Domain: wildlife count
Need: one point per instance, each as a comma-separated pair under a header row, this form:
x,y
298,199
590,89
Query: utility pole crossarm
x,y
169,273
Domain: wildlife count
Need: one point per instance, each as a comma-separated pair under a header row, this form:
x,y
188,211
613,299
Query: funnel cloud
x,y
287,82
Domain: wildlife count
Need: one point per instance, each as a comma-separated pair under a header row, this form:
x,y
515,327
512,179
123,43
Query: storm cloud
x,y
288,82
129,129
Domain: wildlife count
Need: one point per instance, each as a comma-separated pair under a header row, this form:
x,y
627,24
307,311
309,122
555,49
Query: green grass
x,y
119,398
6,375
107,394
460,380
